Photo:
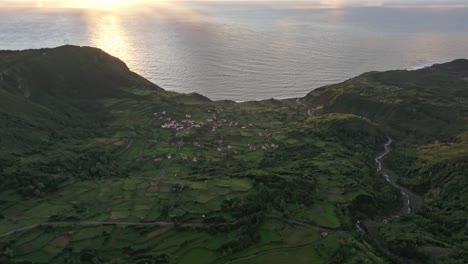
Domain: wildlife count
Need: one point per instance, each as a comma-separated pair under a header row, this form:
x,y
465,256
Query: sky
x,y
113,4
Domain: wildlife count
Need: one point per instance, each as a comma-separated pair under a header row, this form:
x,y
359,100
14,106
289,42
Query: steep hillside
x,y
60,87
423,105
426,111
49,108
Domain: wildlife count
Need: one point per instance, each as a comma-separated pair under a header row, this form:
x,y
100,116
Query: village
x,y
213,123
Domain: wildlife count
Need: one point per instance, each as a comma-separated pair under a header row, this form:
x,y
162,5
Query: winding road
x,y
157,223
263,252
129,144
309,111
98,223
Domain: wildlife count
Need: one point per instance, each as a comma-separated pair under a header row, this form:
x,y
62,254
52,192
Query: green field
x,y
125,172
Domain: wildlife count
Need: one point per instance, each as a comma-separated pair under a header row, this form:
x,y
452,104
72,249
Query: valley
x,y
98,165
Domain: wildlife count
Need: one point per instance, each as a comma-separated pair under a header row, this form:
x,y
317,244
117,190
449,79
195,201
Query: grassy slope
x,y
49,108
75,129
426,111
421,105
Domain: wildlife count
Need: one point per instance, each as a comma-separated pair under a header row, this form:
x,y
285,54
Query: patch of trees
x,y
287,153
85,256
91,256
294,191
97,163
159,259
437,171
407,234
386,200
241,217
455,257
29,184
227,167
43,175
6,252
366,204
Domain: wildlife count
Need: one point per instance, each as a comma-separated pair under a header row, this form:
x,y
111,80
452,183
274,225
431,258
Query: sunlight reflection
x,y
434,42
105,31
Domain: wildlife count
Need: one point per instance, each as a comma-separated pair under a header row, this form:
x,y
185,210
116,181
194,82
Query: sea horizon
x,y
250,51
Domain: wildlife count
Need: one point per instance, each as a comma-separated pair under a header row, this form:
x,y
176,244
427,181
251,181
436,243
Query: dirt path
x,y
259,253
290,221
98,223
309,111
130,143
159,223
299,222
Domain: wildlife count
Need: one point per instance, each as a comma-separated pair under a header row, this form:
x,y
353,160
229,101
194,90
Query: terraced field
x,y
98,165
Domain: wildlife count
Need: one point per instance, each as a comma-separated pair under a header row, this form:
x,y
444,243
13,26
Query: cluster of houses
x,y
250,147
271,146
184,124
264,146
223,148
217,123
183,157
188,123
214,123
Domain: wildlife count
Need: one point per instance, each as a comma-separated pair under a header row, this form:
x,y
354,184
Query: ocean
x,y
249,51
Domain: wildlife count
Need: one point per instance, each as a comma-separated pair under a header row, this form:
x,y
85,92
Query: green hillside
x,y
49,108
424,105
98,165
426,111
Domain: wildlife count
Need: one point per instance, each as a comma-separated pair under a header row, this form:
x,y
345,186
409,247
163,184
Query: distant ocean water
x,y
242,51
